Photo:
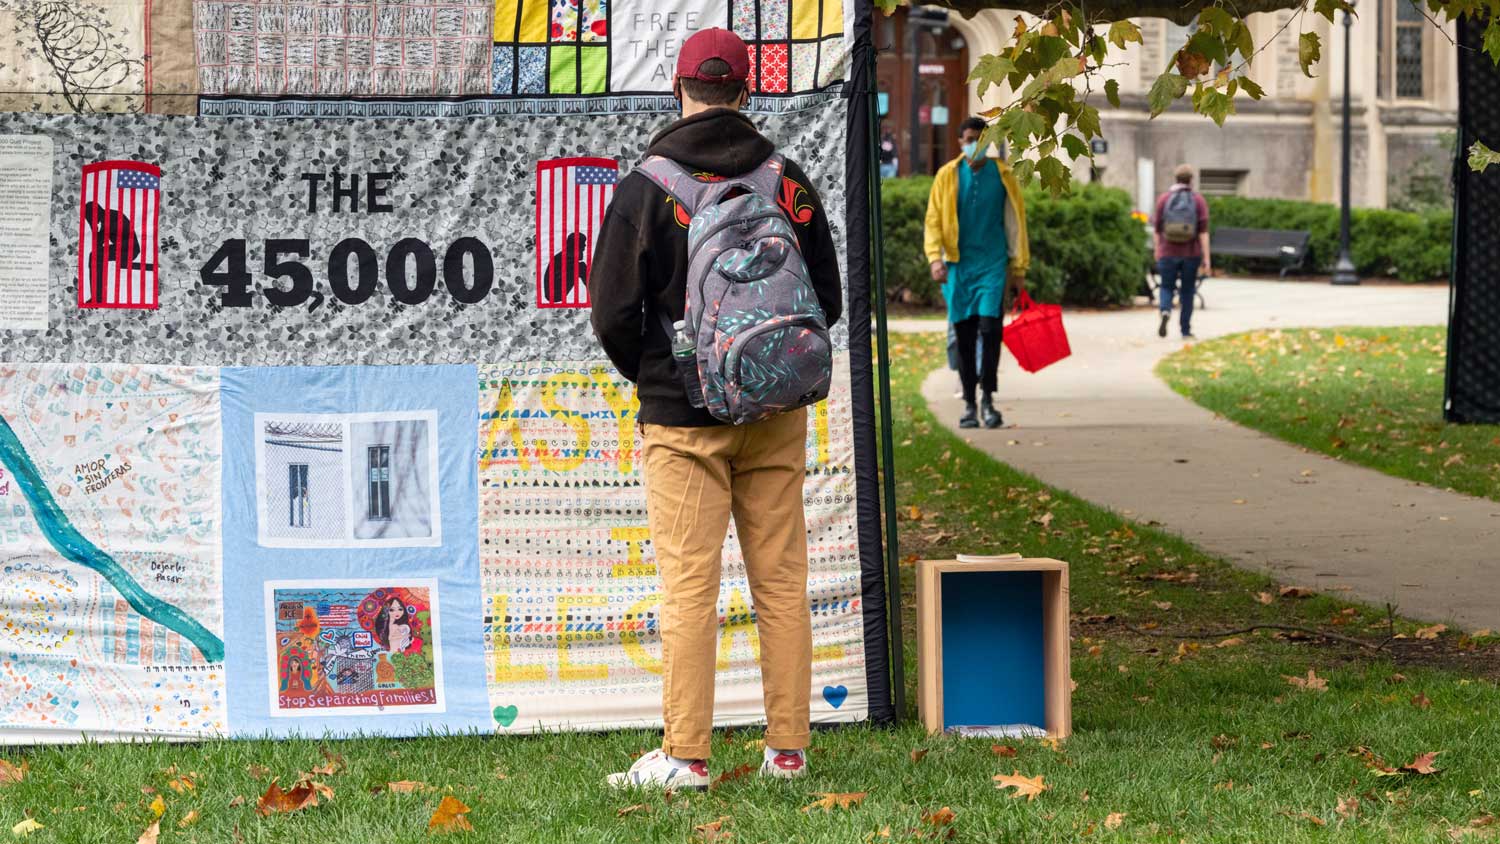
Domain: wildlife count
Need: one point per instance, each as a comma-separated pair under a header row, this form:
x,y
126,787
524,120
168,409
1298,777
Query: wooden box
x,y
992,644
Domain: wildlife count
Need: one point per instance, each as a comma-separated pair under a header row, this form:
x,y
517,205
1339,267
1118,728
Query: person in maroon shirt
x,y
1181,224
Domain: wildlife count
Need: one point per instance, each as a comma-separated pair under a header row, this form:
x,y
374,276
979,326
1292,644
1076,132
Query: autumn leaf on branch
x,y
1481,156
1051,69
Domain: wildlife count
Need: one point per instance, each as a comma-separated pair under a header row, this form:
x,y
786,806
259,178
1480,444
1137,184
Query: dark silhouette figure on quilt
x,y
568,269
114,242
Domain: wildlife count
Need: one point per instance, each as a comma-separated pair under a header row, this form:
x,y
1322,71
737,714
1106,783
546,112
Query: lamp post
x,y
1343,269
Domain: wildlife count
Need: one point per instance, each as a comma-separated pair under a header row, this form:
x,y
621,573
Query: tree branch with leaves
x,y
1053,64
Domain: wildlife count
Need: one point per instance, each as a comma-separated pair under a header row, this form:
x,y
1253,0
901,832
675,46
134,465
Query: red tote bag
x,y
1035,334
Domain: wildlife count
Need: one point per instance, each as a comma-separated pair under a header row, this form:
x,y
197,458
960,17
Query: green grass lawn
x,y
1201,740
1373,396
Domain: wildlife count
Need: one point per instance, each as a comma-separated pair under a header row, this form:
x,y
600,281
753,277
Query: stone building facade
x,y
1404,107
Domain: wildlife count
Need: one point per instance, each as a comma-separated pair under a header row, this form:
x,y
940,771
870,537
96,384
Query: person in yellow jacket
x,y
975,241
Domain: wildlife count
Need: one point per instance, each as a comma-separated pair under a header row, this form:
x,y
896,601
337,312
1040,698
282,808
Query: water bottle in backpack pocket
x,y
757,332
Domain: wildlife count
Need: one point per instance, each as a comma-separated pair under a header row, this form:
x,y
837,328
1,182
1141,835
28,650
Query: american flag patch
x,y
571,196
118,214
335,615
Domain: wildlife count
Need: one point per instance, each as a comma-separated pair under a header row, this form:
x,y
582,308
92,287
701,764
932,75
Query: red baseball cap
x,y
714,43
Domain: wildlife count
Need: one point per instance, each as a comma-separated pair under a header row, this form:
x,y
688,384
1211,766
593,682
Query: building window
x,y
1220,182
1401,46
1411,27
380,482
299,511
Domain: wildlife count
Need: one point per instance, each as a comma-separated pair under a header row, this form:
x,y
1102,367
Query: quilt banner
x,y
303,426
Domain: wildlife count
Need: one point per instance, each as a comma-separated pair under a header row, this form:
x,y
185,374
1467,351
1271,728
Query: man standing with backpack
x,y
1181,247
713,284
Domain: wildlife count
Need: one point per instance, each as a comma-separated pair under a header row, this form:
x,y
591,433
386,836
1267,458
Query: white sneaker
x,y
784,764
657,770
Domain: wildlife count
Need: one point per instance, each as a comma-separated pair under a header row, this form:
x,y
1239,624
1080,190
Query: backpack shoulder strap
x,y
766,179
675,180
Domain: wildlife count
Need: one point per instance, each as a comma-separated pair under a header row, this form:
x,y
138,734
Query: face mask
x,y
970,149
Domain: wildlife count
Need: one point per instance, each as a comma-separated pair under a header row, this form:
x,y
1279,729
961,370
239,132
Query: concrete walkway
x,y
1102,425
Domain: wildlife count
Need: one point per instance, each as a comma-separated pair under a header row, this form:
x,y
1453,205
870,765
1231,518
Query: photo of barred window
x,y
391,470
302,480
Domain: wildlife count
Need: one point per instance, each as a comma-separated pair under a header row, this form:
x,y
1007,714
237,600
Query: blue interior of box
x,y
992,649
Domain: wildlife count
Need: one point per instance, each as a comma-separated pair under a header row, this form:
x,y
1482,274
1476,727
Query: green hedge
x,y
1085,248
1399,244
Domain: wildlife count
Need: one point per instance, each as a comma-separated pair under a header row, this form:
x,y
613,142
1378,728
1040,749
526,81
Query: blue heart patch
x,y
835,695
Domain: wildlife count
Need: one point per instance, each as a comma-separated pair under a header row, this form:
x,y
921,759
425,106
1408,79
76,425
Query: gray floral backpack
x,y
753,341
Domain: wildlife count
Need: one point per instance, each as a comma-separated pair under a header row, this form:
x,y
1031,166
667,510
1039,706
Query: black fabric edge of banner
x,y
1466,332
873,589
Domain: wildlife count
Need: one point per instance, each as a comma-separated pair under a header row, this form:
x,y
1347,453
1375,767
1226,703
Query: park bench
x,y
1289,248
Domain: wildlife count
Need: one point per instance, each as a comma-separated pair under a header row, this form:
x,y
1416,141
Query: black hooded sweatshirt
x,y
640,260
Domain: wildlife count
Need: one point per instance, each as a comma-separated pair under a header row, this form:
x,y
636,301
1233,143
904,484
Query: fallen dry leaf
x,y
407,787
334,764
630,810
1422,764
260,772
1162,605
1307,816
732,775
449,816
1295,592
942,817
1396,678
1432,632
714,830
188,820
25,827
1347,807
1028,787
1232,642
1265,598
1113,820
182,784
1312,682
151,833
1421,701
918,755
1003,750
275,801
158,806
12,773
239,800
828,800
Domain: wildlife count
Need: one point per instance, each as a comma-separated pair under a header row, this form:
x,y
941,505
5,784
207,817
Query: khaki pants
x,y
695,479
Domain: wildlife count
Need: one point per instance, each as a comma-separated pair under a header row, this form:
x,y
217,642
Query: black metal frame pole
x,y
887,436
1344,271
